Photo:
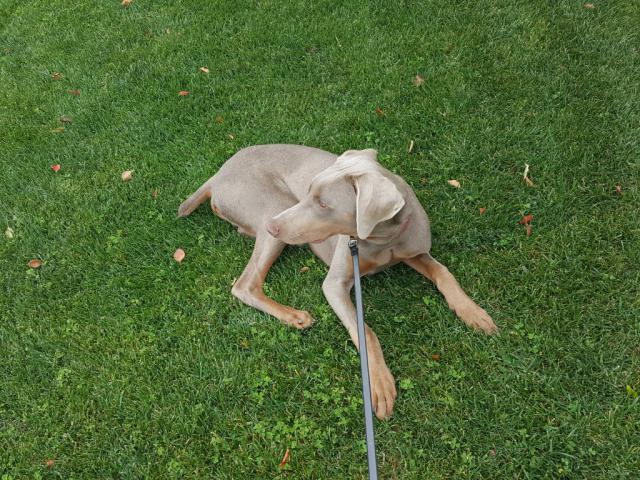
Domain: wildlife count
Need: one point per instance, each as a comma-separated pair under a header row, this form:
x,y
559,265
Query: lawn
x,y
118,362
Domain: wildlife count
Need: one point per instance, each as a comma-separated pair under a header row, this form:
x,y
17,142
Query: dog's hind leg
x,y
458,301
196,198
248,288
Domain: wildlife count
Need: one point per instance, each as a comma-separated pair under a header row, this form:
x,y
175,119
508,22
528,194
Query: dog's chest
x,y
375,261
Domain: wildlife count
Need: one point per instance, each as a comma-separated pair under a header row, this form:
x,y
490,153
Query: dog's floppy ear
x,y
377,200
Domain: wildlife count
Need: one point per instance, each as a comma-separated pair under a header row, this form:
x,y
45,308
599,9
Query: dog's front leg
x,y
458,300
337,287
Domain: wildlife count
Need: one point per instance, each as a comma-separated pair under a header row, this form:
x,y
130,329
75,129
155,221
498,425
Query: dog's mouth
x,y
302,238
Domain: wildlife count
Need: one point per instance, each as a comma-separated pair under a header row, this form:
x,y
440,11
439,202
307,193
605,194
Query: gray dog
x,y
289,194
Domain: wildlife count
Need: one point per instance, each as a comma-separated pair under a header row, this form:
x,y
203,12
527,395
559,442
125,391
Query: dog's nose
x,y
273,229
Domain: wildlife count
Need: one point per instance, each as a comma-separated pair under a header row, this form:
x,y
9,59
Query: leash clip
x,y
353,246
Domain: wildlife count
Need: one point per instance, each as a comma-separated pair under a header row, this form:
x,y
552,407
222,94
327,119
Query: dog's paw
x,y
298,319
476,318
383,391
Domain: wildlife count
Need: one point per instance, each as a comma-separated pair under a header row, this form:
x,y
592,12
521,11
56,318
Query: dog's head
x,y
350,197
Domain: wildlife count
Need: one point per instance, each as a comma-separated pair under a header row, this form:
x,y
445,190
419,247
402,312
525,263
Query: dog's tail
x,y
199,196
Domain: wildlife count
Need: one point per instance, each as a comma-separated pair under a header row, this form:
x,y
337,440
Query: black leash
x,y
364,365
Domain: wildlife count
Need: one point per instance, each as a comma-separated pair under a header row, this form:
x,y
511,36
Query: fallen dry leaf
x,y
589,6
184,93
482,210
56,76
74,92
56,167
418,81
34,263
304,269
66,119
435,357
219,119
204,69
525,176
8,233
231,136
526,219
154,194
454,183
179,255
411,146
379,112
285,459
619,189
126,3
57,130
492,452
50,463
127,175
233,282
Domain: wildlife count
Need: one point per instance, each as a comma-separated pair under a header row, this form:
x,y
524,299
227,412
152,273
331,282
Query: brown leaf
x,y
285,459
435,357
304,269
56,167
219,119
56,76
204,69
454,183
126,3
589,6
179,255
526,219
74,92
492,452
528,181
619,189
66,119
127,175
184,93
418,81
34,263
154,194
57,130
379,112
50,463
482,210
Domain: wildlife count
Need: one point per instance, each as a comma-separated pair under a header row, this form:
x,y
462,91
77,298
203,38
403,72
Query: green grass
x,y
117,362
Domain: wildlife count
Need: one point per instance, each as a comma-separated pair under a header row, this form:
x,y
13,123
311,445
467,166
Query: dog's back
x,y
258,182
